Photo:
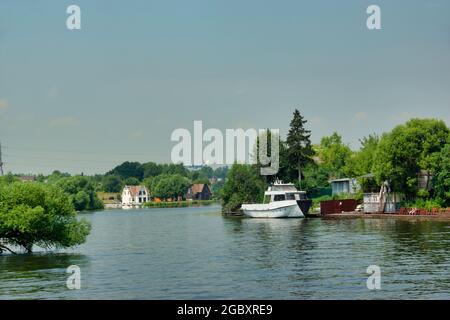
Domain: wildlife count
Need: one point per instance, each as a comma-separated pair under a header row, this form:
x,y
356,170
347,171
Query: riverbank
x,y
359,215
179,204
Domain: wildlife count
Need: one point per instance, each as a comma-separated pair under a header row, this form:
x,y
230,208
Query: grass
x,y
428,204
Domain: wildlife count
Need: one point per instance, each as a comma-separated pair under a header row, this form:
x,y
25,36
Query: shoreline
x,y
359,215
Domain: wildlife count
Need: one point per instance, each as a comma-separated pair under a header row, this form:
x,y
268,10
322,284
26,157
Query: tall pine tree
x,y
300,151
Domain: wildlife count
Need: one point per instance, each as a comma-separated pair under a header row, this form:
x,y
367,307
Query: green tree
x,y
74,185
112,183
202,179
406,150
221,172
360,164
151,182
298,140
81,200
56,176
198,176
171,186
206,171
334,155
38,214
151,169
287,172
316,181
8,178
172,168
131,181
217,188
362,161
128,169
243,185
441,180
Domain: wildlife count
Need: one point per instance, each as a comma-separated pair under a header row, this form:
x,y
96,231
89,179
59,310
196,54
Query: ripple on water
x,y
195,253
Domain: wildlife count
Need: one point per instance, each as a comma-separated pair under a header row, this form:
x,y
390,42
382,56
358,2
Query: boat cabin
x,y
283,191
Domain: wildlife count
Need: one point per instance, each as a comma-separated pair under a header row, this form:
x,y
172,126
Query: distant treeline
x,y
163,180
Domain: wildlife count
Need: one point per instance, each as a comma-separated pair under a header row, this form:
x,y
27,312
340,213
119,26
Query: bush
x,y
425,204
243,185
38,214
81,191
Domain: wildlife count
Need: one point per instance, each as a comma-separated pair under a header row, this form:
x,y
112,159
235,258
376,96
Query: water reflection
x,y
196,253
25,275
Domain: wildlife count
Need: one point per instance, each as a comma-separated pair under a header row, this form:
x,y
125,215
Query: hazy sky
x,y
86,100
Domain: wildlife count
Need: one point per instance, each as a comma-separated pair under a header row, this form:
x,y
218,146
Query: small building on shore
x,y
379,203
199,191
135,196
344,185
27,178
110,200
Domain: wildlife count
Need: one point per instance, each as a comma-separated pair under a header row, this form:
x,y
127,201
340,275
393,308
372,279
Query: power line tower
x,y
1,163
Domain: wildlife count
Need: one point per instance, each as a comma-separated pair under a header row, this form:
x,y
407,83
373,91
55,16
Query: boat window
x,y
279,197
290,196
302,196
266,199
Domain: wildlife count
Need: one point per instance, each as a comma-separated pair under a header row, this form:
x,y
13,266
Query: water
x,y
195,253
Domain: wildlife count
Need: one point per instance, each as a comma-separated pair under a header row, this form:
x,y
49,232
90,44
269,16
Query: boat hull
x,y
279,209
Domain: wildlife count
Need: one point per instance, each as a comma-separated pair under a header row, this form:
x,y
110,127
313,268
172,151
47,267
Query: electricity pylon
x,y
1,163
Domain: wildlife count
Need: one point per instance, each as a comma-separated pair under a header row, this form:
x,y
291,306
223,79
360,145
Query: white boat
x,y
281,200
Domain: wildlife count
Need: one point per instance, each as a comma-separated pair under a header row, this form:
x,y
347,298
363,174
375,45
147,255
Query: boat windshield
x,y
290,196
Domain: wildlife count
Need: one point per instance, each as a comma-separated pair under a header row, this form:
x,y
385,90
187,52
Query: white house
x,y
134,196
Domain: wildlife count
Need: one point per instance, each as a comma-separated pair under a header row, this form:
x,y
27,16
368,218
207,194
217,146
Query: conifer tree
x,y
300,151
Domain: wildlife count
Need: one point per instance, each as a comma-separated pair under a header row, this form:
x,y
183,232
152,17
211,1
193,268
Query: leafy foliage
x,y
243,185
81,191
334,155
170,186
361,162
407,149
441,183
38,214
316,180
128,169
112,183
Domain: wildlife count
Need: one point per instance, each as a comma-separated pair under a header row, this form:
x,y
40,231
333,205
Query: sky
x,y
86,100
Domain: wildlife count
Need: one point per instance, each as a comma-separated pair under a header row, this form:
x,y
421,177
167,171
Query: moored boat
x,y
281,200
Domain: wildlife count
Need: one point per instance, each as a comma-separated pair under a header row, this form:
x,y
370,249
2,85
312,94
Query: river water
x,y
195,253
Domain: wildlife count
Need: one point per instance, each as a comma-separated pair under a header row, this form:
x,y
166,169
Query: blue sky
x,y
86,100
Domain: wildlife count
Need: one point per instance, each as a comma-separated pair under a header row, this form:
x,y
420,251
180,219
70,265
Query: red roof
x,y
198,187
134,190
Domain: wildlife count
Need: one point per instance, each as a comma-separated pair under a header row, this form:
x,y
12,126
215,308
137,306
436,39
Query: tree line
x,y
163,180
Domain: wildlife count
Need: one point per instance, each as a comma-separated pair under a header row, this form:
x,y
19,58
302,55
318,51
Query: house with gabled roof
x,y
135,196
199,191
